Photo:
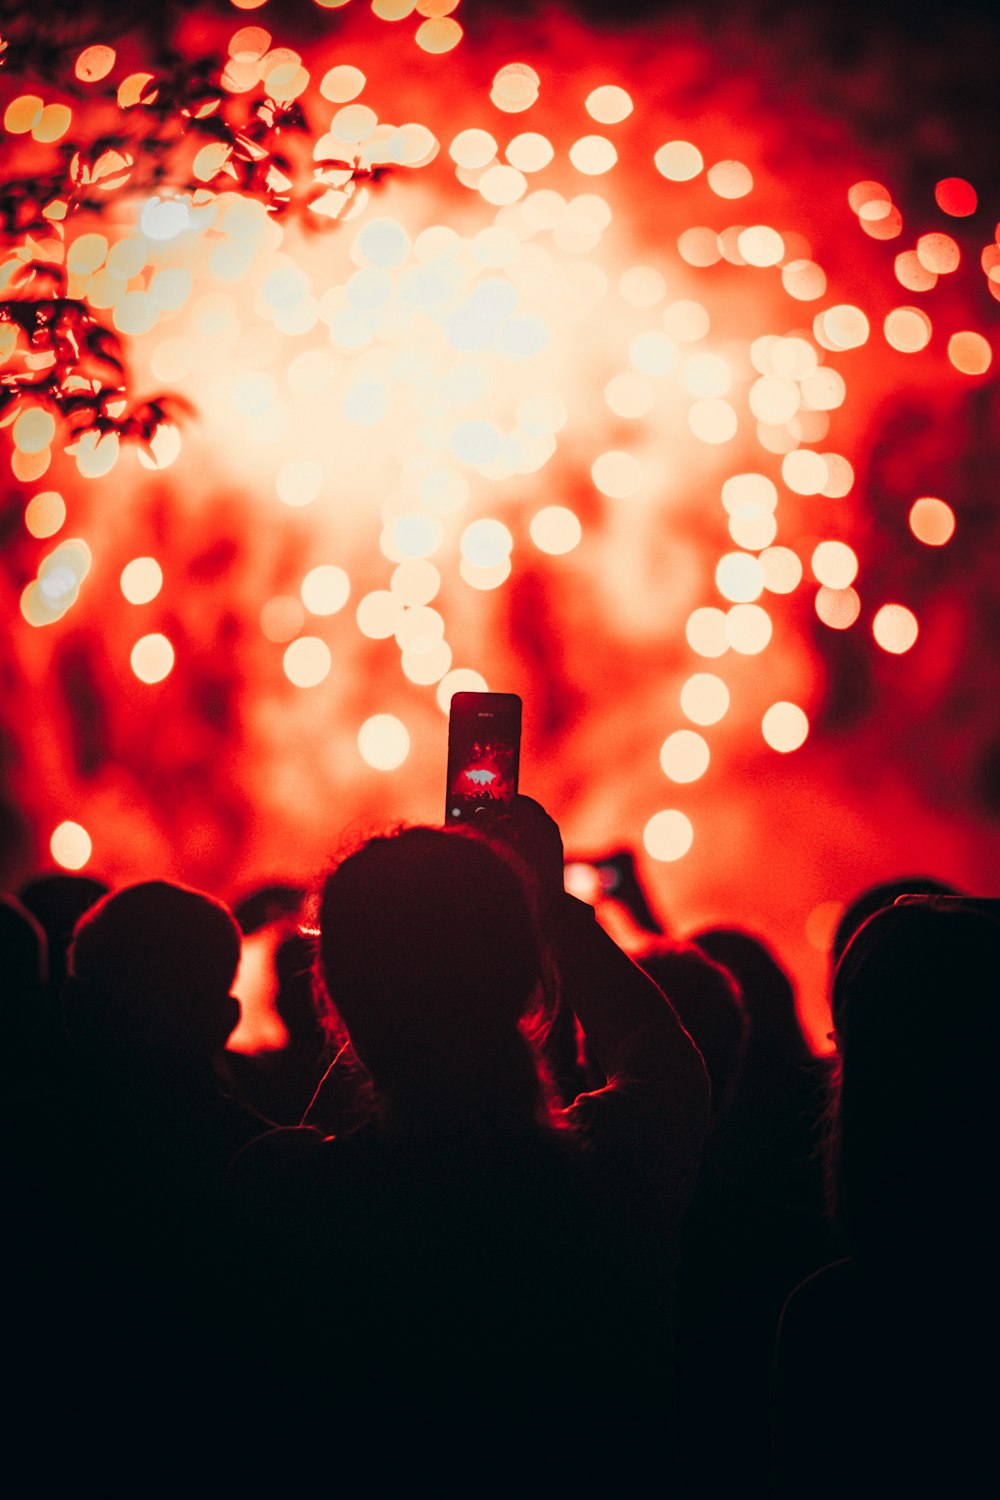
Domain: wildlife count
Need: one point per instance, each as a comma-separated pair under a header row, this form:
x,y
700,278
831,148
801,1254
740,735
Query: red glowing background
x,y
354,355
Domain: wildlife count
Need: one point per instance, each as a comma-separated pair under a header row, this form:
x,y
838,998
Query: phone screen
x,y
484,752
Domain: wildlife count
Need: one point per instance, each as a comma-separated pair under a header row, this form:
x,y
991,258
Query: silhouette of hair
x,y
268,903
428,950
707,998
57,902
151,965
23,949
872,899
915,1135
774,1038
29,1018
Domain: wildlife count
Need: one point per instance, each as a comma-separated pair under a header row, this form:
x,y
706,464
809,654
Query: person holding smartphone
x,y
475,1261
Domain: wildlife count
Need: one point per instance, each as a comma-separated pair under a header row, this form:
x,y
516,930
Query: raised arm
x,y
630,1026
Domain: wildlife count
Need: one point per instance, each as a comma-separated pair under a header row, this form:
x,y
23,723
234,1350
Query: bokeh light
x,y
56,589
748,629
805,472
760,245
821,924
45,513
668,835
785,727
617,474
152,658
34,430
555,529
804,280
71,846
739,577
23,113
707,632
957,197
838,608
141,580
913,274
609,104
593,155
842,327
384,742
908,329
752,527
377,613
704,698
970,352
938,253
684,755
409,357
94,63
325,589
895,628
699,246
281,618
932,521
730,179
486,543
299,481
462,680
713,421
415,581
678,161
419,629
835,564
307,661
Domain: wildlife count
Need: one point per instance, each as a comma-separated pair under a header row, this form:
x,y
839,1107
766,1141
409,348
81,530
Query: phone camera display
x,y
485,781
484,750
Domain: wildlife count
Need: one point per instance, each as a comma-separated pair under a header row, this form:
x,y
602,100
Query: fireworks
x,y
343,372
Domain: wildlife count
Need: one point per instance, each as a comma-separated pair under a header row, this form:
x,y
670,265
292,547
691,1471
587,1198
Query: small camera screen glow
x,y
485,778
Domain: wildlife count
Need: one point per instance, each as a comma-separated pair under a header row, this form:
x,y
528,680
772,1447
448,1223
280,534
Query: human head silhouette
x,y
428,951
23,950
917,996
28,1017
774,1038
707,998
872,899
151,967
57,901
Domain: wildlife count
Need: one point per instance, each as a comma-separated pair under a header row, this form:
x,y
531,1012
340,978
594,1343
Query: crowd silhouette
x,y
504,1205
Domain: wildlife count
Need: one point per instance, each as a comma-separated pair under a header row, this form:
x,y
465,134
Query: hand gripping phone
x,y
613,877
484,753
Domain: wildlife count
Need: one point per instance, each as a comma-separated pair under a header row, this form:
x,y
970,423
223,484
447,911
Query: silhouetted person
x,y
757,1225
707,998
25,1020
770,1135
23,957
57,901
474,1266
30,1247
891,1353
870,900
128,1162
148,1010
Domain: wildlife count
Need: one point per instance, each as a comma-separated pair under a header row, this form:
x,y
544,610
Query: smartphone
x,y
484,754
